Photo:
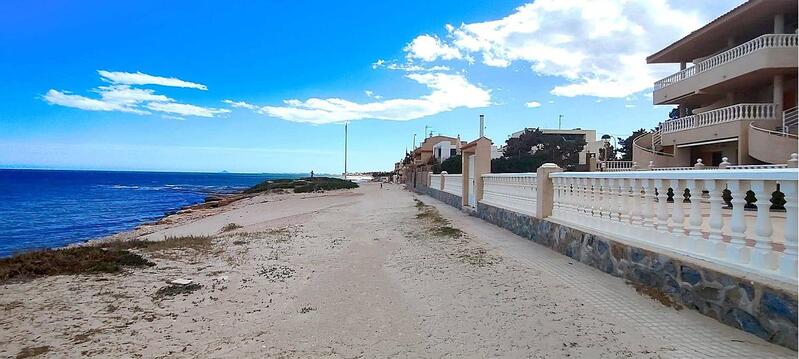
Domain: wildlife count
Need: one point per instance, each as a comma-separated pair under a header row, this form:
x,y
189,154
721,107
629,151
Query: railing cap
x,y
771,174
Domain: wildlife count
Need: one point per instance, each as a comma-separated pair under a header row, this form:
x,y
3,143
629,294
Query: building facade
x,y
735,93
592,146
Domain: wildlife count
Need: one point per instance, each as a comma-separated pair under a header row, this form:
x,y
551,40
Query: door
x,y
472,197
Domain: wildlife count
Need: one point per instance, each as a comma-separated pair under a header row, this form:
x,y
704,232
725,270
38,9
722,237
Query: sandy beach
x,y
341,274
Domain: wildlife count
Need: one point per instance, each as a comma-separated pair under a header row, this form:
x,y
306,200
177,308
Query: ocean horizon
x,y
42,208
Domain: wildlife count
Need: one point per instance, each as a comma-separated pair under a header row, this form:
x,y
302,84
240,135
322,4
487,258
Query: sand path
x,y
346,275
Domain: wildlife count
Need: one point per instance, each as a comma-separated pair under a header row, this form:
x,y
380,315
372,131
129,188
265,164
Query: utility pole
x,y
560,117
414,142
345,149
425,131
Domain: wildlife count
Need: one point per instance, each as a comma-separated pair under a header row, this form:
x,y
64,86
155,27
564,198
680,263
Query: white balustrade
x,y
435,181
738,112
453,184
761,42
636,207
513,191
615,166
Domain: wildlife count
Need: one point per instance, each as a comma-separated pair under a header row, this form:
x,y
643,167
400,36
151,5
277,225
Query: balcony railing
x,y
743,111
764,41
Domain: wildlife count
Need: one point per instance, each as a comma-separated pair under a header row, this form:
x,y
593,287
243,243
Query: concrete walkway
x,y
686,333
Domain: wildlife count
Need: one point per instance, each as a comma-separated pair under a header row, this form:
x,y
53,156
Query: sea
x,y
49,208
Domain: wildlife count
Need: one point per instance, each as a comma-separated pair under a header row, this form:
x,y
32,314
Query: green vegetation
x,y
440,226
75,260
197,243
534,147
303,185
230,227
453,165
176,289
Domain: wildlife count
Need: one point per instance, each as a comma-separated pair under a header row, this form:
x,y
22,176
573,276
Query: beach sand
x,y
342,274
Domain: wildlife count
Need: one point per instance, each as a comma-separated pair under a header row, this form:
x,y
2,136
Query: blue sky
x,y
265,86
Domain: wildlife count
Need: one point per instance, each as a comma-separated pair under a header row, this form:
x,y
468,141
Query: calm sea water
x,y
40,208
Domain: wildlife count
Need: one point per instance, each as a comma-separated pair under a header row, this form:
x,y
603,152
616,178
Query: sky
x,y
266,86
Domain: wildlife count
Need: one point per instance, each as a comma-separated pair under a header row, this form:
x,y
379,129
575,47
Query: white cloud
x,y
371,94
629,105
183,109
408,67
533,104
138,78
67,99
430,48
240,104
598,47
448,92
121,97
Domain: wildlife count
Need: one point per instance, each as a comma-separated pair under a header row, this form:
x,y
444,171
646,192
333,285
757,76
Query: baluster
x,y
714,245
737,251
626,200
557,184
662,214
646,201
762,251
788,261
634,198
578,198
592,198
600,201
695,214
572,197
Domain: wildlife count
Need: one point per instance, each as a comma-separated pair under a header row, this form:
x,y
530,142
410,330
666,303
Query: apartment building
x,y
736,91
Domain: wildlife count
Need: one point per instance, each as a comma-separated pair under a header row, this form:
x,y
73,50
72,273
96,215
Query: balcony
x,y
770,51
739,112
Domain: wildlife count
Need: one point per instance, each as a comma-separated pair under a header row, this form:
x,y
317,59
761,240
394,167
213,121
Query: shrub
x,y
75,260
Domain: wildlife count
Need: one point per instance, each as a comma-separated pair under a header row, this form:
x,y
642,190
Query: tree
x,y
626,145
533,148
452,165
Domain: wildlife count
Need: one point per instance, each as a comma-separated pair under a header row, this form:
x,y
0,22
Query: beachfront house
x,y
592,146
735,93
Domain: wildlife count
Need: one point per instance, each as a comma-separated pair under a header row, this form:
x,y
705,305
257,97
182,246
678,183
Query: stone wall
x,y
446,197
764,311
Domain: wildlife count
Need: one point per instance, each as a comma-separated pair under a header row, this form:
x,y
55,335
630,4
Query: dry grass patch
x,y
656,294
230,227
176,289
439,226
197,243
478,257
74,260
30,352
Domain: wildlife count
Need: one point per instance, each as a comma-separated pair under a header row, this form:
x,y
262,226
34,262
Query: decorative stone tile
x,y
754,307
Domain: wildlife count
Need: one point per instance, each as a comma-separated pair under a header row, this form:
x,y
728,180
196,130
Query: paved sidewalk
x,y
688,333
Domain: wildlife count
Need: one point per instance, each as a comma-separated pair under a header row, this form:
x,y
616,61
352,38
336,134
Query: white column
x,y
714,245
635,199
624,200
695,213
662,214
737,251
677,212
789,257
647,199
557,184
762,251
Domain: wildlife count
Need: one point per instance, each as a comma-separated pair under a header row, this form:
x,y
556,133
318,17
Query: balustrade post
x,y
544,190
737,249
557,184
624,201
788,261
762,253
662,215
677,210
635,196
715,247
695,214
647,200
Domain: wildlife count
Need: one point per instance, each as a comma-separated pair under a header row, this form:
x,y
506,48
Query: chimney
x,y
482,124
